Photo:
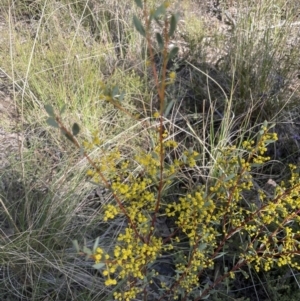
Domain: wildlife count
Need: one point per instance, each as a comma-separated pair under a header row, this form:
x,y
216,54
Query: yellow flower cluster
x,y
98,255
167,4
90,144
109,168
205,217
111,212
137,198
150,163
258,153
190,157
198,261
170,144
110,281
278,244
127,295
172,77
156,115
130,258
191,210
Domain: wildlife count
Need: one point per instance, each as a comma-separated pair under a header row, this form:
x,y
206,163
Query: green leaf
x,y
206,286
160,41
62,109
161,10
75,129
138,25
268,141
202,246
173,24
255,244
76,245
52,122
178,272
121,97
173,52
265,124
271,125
115,92
255,164
99,265
207,204
245,274
87,251
67,135
169,107
154,155
49,110
221,254
96,244
139,3
229,177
